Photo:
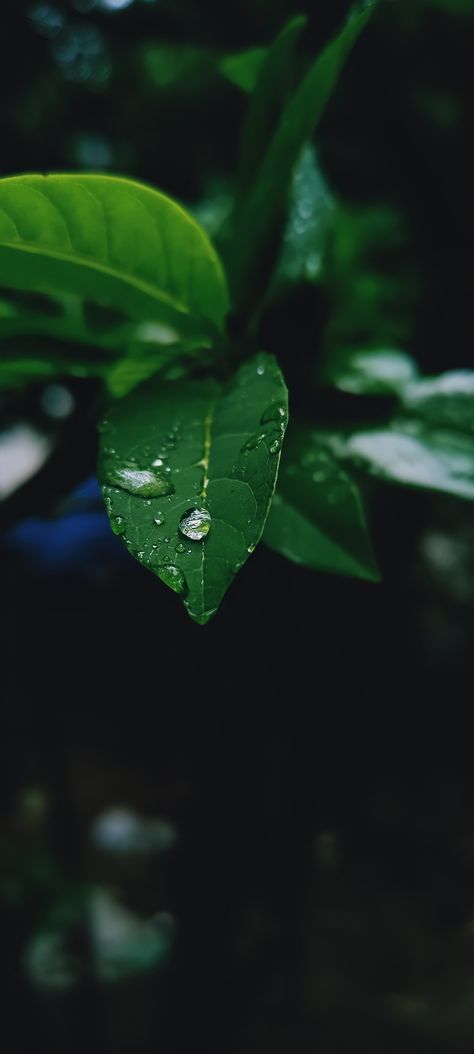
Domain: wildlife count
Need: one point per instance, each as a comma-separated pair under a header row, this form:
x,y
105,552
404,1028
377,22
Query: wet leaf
x,y
317,517
190,467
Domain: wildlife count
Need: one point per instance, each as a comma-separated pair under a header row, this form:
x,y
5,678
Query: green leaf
x,y
375,371
306,232
274,83
317,517
414,456
242,67
94,259
446,401
171,448
260,215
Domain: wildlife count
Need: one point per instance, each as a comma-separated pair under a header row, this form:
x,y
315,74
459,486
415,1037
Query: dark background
x,y
311,749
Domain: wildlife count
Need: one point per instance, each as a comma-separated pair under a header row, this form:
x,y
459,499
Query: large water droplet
x,y
143,482
195,524
173,577
118,524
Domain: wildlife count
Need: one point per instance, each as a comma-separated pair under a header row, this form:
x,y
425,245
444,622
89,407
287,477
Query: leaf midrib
x,y
92,265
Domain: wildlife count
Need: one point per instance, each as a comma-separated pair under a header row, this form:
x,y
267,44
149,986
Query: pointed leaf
x,y
260,215
317,516
242,67
169,449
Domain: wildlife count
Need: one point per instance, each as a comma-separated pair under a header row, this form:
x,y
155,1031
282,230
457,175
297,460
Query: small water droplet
x,y
173,577
305,208
188,552
118,524
142,482
260,370
157,463
274,412
275,446
148,502
167,540
180,548
141,554
195,524
159,520
250,549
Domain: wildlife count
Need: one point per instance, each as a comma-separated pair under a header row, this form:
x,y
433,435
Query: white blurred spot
x,y
23,451
121,830
57,401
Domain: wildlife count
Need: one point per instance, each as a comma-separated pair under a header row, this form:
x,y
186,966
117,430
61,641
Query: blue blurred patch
x,y
78,540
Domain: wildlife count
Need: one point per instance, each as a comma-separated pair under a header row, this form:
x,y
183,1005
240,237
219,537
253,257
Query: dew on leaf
x,y
118,524
274,412
195,524
142,482
173,577
180,548
159,520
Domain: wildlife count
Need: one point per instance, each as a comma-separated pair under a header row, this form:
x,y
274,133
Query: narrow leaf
x,y
188,471
317,516
260,215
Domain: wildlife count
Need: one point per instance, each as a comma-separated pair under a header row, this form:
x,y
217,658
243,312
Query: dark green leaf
x,y
414,456
446,401
170,448
274,82
242,67
112,243
375,371
317,517
259,217
306,232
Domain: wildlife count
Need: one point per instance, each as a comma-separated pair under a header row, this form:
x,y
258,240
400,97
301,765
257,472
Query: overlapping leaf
x,y
317,516
106,262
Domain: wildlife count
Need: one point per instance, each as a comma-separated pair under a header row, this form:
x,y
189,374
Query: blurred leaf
x,y
375,371
317,517
446,401
369,280
171,449
414,456
242,67
259,216
167,64
95,258
275,80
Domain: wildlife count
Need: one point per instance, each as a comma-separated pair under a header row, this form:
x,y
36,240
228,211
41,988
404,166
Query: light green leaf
x,y
170,449
317,516
260,215
242,67
414,456
375,371
446,401
94,259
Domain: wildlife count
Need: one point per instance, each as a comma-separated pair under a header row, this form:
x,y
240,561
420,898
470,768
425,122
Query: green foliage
x,y
102,276
106,262
188,471
317,517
